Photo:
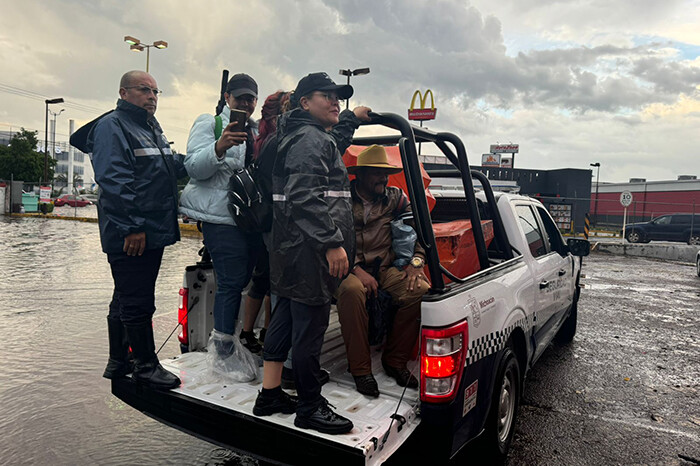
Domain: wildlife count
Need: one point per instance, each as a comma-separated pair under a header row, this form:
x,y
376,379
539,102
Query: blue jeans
x,y
234,254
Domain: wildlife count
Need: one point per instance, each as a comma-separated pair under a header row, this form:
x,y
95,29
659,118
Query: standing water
x,y
56,407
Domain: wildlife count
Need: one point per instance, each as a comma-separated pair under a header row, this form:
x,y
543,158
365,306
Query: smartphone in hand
x,y
238,117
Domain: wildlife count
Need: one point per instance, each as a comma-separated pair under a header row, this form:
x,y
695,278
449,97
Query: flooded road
x,y
626,391
56,407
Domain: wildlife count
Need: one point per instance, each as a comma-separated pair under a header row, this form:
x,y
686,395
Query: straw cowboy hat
x,y
374,156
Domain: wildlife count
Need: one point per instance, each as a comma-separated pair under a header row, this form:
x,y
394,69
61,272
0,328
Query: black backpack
x,y
245,202
250,191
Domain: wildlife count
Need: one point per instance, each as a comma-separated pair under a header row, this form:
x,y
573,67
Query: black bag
x,y
251,212
381,316
380,310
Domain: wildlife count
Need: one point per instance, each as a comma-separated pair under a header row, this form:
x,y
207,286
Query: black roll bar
x,y
463,165
406,141
416,191
499,230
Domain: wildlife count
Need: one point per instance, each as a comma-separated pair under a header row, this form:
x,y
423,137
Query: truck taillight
x,y
443,352
182,316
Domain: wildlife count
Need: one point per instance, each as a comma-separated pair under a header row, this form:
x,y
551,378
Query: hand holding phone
x,y
238,117
234,133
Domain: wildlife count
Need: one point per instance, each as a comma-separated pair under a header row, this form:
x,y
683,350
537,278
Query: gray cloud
x,y
558,91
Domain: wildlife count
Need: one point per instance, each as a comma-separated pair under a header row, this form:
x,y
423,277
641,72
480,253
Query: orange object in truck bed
x,y
456,247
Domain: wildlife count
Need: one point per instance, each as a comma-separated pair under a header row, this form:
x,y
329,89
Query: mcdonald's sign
x,y
422,113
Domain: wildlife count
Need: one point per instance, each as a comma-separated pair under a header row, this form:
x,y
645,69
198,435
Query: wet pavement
x,y
626,391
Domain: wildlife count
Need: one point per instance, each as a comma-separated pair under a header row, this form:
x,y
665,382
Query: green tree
x,y
21,160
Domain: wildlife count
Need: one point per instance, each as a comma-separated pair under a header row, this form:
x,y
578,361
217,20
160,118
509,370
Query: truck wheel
x,y
505,400
694,239
567,331
633,236
697,265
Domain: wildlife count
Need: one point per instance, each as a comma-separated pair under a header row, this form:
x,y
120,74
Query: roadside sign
x,y
491,160
45,194
626,198
504,148
422,113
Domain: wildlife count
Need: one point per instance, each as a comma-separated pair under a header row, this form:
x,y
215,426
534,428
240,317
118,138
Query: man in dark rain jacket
x,y
312,238
137,212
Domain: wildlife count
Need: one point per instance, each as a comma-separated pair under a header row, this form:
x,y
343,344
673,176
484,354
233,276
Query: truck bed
x,y
365,444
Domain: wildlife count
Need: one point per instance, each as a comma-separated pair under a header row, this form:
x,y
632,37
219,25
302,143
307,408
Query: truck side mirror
x,y
579,247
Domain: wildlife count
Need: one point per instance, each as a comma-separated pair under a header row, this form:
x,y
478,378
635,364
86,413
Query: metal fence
x,y
569,212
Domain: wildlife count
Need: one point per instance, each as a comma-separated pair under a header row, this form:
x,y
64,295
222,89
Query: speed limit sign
x,y
626,198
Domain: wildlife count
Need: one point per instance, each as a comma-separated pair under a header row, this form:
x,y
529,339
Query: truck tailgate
x,y
221,412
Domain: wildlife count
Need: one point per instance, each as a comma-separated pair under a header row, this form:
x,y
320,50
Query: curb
x,y
186,229
671,252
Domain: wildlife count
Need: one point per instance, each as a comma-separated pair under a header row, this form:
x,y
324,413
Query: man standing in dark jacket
x,y
312,239
137,212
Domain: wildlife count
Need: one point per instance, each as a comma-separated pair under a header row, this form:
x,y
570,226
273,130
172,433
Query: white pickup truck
x,y
480,335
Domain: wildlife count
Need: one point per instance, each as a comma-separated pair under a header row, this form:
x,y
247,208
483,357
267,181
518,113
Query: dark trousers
x,y
354,321
301,327
261,275
133,300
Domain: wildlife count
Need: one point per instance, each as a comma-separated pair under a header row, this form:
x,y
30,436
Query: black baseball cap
x,y
241,84
321,82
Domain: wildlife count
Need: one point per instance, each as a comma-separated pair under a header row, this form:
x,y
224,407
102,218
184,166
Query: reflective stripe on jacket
x,y
312,210
135,170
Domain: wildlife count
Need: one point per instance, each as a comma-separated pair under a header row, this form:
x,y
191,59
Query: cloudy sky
x,y
572,81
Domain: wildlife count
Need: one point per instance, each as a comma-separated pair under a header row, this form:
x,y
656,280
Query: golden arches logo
x,y
422,113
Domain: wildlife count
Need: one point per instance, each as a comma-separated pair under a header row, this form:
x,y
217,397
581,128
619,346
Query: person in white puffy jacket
x,y
210,162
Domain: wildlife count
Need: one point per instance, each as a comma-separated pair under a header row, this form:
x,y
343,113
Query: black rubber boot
x,y
119,363
147,369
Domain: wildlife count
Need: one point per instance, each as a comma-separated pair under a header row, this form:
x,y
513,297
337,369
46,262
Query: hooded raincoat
x,y
312,210
137,175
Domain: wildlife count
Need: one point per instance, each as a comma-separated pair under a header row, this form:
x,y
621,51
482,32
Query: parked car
x,y
71,200
495,305
93,198
672,227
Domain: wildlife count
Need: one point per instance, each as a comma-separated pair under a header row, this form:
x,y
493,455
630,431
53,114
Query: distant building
x,y
650,199
82,167
564,192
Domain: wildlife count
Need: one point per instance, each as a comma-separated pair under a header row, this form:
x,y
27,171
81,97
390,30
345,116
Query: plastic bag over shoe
x,y
229,359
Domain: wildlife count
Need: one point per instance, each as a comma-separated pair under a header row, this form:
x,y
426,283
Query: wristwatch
x,y
417,262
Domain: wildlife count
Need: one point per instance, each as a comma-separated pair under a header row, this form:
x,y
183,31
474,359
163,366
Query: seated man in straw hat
x,y
374,206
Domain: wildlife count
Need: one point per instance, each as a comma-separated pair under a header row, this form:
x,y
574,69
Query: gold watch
x,y
417,262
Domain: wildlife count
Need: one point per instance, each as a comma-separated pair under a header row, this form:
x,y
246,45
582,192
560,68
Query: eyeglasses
x,y
145,89
329,97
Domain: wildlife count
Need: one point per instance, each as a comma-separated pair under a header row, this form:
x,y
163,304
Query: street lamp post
x,y
53,131
137,46
59,100
348,73
597,179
